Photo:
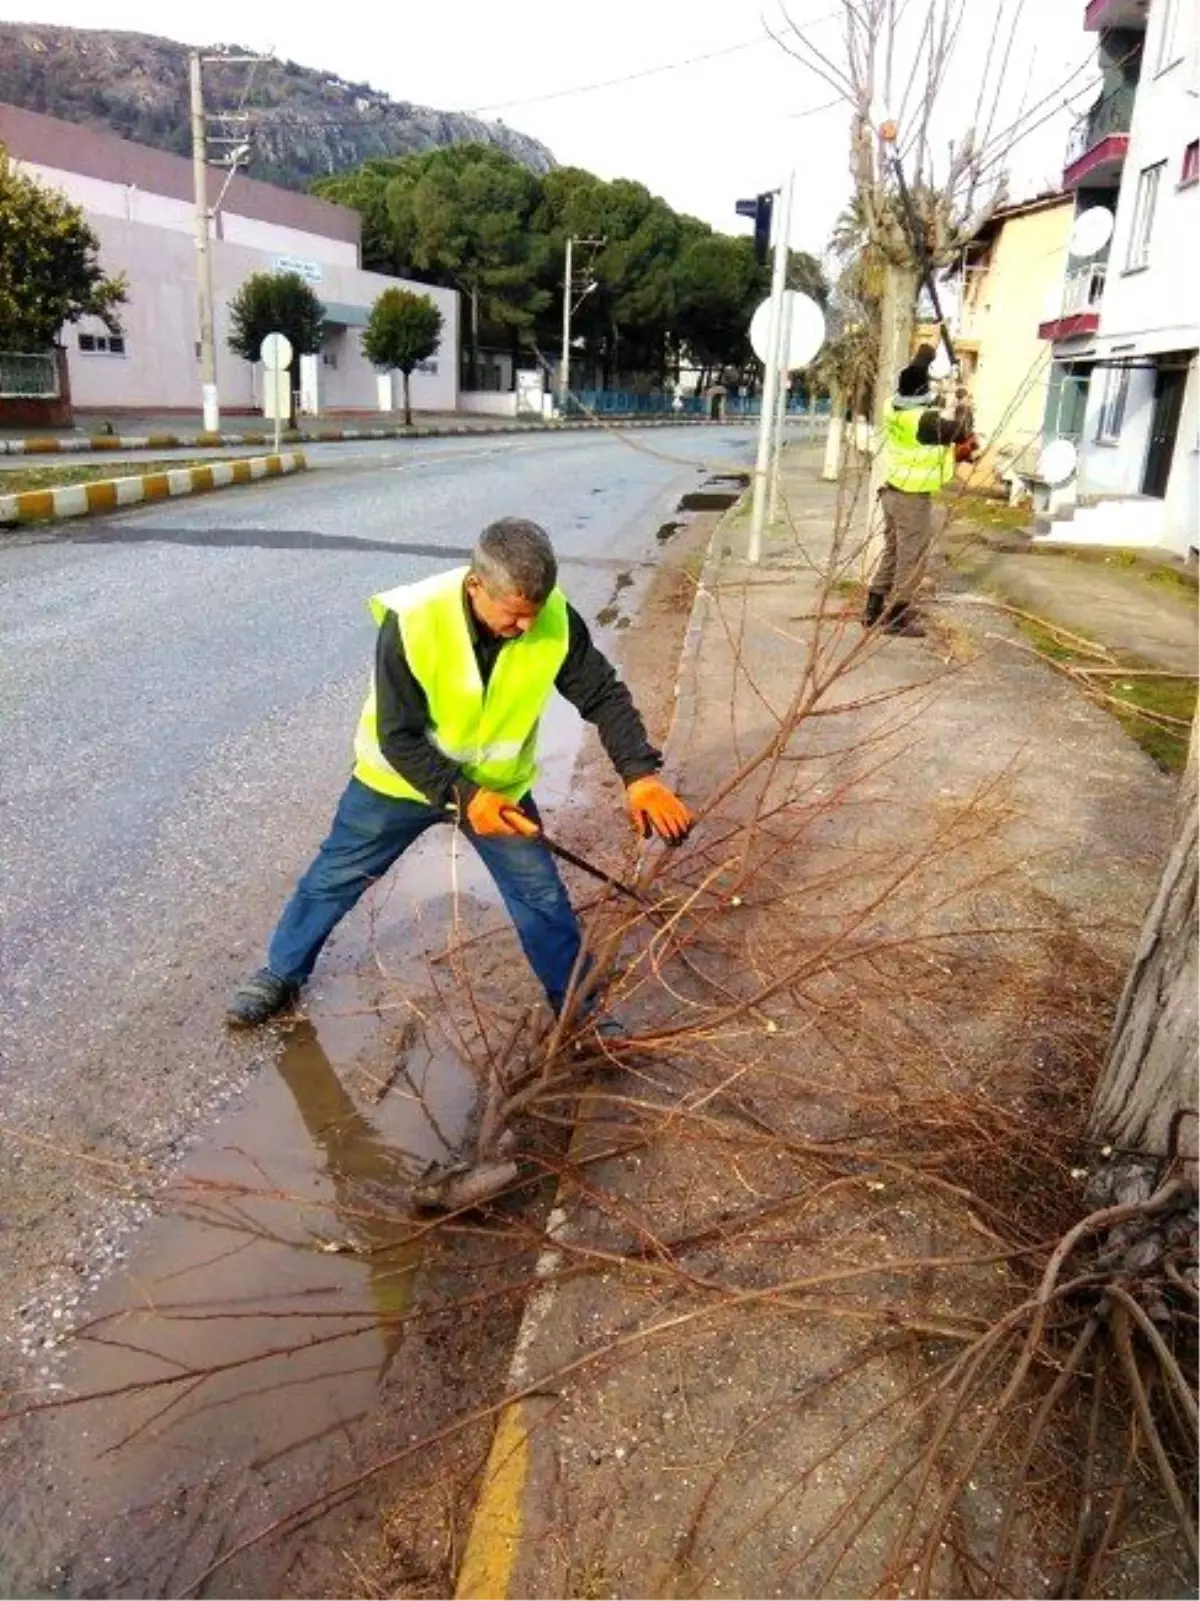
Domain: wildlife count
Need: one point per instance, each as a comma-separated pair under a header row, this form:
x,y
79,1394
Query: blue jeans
x,y
371,831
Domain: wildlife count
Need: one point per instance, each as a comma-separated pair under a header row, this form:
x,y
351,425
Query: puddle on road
x,y
272,1283
273,1277
273,1287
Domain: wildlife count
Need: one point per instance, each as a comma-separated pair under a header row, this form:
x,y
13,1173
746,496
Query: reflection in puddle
x,y
250,1336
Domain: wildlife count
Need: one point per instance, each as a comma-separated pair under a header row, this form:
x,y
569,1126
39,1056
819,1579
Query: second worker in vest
x,y
919,457
465,663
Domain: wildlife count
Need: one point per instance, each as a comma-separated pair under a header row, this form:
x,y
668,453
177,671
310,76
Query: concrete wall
x,y
1001,308
488,402
1153,308
160,368
79,153
1114,467
101,197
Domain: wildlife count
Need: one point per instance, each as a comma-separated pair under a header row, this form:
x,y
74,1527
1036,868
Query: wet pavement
x,y
182,689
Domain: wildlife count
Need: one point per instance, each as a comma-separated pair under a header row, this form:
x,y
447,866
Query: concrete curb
x,y
325,436
497,1520
107,494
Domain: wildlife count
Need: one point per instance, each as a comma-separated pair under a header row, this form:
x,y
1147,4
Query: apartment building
x,y
1123,384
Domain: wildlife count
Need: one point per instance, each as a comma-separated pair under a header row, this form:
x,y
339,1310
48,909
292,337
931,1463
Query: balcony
x,y
1079,312
1103,14
1099,139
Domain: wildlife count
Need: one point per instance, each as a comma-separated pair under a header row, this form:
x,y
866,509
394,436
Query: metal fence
x,y
607,402
26,377
751,405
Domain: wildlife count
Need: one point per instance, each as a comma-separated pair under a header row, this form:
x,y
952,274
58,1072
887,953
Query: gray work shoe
x,y
260,998
608,1028
596,1032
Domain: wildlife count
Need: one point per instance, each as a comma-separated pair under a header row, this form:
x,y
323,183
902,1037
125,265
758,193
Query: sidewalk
x,y
1133,607
851,1099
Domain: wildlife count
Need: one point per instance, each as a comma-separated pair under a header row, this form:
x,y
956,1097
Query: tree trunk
x,y
1150,1074
407,401
832,466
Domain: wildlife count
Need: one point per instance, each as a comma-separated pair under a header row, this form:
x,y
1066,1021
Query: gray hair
x,y
515,557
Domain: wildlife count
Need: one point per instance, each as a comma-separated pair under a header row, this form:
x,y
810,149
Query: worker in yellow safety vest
x,y
919,457
465,663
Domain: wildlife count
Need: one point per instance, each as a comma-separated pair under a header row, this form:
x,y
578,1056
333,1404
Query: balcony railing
x,y
1079,310
1111,114
1083,288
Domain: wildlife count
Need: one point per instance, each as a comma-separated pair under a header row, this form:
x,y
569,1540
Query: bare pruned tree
x,y
890,68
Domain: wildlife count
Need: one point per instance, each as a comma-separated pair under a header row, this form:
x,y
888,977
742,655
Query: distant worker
x,y
966,446
465,662
919,455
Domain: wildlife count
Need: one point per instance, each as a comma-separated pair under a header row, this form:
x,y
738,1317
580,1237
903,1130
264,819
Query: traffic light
x,y
760,209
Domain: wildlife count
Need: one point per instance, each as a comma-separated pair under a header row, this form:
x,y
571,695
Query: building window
x,y
102,344
1167,54
1112,408
1143,216
1191,164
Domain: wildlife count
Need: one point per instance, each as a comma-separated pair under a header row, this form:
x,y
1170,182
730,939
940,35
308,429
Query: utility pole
x,y
775,353
564,366
780,417
564,371
204,215
204,281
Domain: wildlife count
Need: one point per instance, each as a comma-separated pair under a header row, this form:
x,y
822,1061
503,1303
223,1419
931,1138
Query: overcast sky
x,y
700,135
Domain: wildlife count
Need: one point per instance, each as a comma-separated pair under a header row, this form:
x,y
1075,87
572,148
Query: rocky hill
x,y
303,123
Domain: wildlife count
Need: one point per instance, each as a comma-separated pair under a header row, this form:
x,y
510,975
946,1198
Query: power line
x,y
613,83
393,110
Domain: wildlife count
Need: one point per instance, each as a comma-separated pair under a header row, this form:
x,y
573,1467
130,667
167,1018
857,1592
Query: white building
x,y
139,203
1124,384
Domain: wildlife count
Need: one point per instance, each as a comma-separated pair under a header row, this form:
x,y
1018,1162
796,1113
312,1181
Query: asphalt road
x,y
179,690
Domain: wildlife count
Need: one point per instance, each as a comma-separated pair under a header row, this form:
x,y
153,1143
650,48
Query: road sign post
x,y
799,329
770,359
276,353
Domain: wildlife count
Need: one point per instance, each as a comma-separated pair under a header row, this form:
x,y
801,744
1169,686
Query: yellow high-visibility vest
x,y
909,465
492,733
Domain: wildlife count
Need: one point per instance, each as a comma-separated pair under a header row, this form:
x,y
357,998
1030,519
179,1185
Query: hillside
x,y
305,124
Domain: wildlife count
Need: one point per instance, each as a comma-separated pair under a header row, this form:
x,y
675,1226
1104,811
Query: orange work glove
x,y
491,813
653,806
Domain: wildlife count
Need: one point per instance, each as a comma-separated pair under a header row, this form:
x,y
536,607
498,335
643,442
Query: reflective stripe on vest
x,y
909,465
491,734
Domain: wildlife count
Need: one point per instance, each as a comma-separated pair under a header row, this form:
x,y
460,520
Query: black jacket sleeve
x,y
589,681
402,711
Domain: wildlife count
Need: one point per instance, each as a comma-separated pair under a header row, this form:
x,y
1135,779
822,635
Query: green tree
x,y
50,270
461,216
626,321
402,330
276,303
718,283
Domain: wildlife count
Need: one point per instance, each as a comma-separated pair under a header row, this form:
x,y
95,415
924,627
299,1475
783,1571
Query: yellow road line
x,y
491,1553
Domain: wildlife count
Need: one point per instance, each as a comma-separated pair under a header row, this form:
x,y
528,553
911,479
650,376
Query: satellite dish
x,y
1092,231
1057,463
806,334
